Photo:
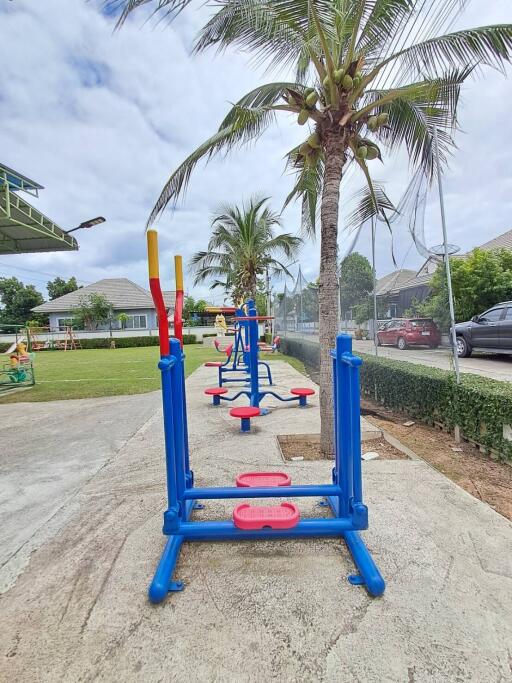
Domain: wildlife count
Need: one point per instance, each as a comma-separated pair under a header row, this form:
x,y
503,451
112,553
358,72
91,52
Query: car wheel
x,y
434,346
379,343
401,343
463,348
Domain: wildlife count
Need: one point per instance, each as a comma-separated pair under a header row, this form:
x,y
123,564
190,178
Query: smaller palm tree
x,y
243,246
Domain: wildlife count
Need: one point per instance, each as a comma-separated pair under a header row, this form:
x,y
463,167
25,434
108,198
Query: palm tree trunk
x,y
328,290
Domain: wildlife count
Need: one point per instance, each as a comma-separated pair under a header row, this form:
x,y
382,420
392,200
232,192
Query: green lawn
x,y
105,372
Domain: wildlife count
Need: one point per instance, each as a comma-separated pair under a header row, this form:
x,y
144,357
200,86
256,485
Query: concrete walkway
x,y
265,610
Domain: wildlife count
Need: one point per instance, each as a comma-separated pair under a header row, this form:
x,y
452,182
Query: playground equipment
x,y
247,326
343,495
178,308
42,338
220,325
19,371
239,357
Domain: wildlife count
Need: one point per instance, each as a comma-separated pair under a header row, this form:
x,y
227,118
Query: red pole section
x,y
156,292
178,310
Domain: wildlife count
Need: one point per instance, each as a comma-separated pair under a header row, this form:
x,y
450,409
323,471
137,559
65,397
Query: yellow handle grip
x,y
152,239
178,267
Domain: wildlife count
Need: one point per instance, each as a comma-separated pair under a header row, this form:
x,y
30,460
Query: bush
x,y
4,346
306,351
129,342
481,407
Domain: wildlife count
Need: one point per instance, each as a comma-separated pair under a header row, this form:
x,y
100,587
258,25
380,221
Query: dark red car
x,y
404,332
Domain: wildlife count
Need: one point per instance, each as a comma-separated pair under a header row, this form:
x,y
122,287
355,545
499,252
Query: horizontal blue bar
x,y
320,490
348,359
227,531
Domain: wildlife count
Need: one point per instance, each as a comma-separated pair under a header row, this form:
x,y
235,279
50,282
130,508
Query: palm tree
x,y
243,246
368,74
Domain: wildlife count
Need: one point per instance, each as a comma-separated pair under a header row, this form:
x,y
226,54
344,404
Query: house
x,y
124,296
397,290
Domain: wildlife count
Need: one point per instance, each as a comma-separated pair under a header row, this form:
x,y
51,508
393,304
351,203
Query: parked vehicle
x,y
490,331
405,332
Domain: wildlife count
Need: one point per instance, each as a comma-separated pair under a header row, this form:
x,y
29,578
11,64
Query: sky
x,y
100,119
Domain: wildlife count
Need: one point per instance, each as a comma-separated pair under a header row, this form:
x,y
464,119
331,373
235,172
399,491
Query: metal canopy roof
x,y
24,229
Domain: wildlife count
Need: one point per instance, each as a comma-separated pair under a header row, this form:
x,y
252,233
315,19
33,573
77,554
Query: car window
x,y
508,314
492,316
421,323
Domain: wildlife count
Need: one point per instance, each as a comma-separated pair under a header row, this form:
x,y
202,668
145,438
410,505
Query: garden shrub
x,y
480,406
129,342
4,346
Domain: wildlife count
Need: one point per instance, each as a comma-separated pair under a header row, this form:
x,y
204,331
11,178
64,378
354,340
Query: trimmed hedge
x,y
480,406
128,342
306,351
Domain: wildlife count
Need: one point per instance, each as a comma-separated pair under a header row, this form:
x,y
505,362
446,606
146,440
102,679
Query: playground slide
x,y
12,347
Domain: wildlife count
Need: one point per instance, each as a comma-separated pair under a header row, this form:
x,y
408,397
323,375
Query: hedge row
x,y
128,342
4,346
480,406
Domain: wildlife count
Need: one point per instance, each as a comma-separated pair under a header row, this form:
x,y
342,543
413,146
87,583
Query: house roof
x,y
122,293
404,279
393,281
503,241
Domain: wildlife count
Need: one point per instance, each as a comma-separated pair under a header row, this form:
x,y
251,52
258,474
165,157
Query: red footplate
x,y
284,516
265,479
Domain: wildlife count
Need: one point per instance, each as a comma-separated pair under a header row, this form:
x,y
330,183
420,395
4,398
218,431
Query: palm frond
x,y
246,125
168,9
307,188
412,118
371,201
487,45
381,25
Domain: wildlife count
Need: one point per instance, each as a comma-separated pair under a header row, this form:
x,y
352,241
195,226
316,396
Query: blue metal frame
x,y
248,327
241,357
344,495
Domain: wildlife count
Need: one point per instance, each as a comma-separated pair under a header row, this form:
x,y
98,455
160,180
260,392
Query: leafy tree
x,y
479,280
58,287
201,305
242,247
93,310
356,281
18,300
364,311
123,319
370,74
189,306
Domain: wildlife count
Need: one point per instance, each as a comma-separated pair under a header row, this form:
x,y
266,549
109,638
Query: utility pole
x,y
453,336
374,274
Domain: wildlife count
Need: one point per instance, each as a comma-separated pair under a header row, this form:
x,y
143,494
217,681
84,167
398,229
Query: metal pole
x,y
374,274
447,262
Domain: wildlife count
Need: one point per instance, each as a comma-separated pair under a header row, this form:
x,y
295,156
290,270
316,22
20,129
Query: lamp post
x,y
87,224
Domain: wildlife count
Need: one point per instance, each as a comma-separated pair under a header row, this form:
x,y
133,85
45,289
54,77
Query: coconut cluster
x,y
305,104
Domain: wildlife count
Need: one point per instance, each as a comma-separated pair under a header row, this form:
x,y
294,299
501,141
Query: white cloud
x,y
101,118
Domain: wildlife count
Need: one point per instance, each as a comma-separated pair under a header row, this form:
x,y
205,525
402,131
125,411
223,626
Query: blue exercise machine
x,y
238,354
344,495
248,329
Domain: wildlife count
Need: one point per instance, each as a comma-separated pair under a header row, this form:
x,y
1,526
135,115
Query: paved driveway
x,y
260,611
496,367
48,453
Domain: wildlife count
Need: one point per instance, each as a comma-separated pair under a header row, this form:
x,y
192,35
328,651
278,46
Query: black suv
x,y
491,331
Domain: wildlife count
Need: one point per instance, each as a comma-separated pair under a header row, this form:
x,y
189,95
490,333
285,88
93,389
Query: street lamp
x,y
87,224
